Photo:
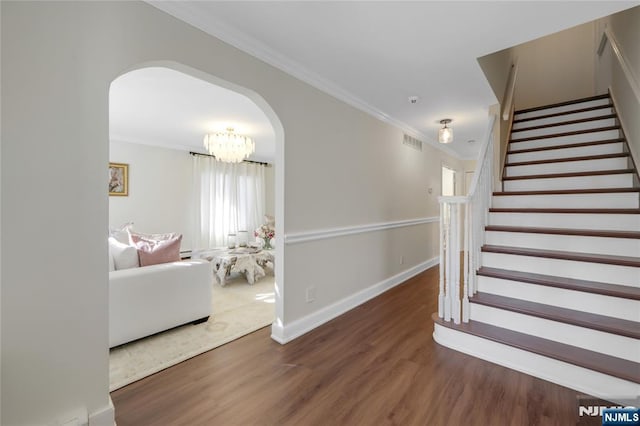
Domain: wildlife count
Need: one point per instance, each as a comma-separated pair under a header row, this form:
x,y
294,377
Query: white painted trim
x,y
622,121
103,417
455,199
571,376
255,48
622,60
303,325
321,234
510,89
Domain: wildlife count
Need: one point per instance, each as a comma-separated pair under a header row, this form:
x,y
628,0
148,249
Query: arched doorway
x,y
278,136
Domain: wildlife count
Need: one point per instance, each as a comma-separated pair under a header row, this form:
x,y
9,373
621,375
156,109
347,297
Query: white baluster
x,y
442,264
455,254
447,254
465,290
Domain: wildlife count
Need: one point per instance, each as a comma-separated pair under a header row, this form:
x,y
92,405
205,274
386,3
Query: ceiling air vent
x,y
412,142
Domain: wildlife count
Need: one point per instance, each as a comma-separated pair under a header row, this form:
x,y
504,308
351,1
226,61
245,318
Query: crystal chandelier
x,y
228,146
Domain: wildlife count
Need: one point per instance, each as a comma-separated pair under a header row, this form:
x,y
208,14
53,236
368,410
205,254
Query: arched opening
x,y
257,115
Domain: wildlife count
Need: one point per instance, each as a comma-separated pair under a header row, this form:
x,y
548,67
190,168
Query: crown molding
x,y
185,12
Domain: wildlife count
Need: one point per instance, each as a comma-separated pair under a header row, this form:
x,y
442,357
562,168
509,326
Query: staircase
x,y
558,286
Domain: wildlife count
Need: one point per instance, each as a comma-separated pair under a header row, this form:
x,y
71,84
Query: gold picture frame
x,y
119,179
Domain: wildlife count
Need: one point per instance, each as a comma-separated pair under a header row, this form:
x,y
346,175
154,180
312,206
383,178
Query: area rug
x,y
238,309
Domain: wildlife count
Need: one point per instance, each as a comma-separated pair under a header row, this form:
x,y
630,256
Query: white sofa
x,y
146,300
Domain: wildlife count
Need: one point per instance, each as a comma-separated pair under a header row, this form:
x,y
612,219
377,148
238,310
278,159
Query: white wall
x,y
160,190
343,168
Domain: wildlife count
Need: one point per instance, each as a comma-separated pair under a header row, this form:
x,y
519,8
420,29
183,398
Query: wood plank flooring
x,y
375,365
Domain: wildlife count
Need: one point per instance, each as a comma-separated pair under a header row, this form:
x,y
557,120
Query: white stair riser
x,y
563,128
561,118
576,182
573,243
613,200
572,376
568,166
616,307
618,222
571,107
600,149
600,272
564,140
582,337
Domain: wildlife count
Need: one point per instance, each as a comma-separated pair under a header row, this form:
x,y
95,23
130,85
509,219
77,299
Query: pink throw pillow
x,y
153,252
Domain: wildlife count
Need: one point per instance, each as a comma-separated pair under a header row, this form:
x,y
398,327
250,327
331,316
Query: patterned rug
x,y
239,309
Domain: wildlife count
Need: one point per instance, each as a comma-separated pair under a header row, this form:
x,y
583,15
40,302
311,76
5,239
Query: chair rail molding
x,y
321,234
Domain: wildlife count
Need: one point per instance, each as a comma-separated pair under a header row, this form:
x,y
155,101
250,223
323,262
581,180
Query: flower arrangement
x,y
266,232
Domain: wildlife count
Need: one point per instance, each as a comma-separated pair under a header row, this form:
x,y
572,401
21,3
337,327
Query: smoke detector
x,y
413,99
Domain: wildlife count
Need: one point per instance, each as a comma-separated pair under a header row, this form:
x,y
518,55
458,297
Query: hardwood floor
x,y
375,365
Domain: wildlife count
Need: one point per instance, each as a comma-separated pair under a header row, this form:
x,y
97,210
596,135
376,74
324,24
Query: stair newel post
x,y
471,248
465,290
455,256
448,261
442,263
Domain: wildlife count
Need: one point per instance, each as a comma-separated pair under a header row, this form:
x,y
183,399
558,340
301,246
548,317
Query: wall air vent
x,y
412,142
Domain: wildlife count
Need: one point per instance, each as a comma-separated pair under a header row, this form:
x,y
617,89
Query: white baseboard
x,y
288,332
277,332
103,417
564,374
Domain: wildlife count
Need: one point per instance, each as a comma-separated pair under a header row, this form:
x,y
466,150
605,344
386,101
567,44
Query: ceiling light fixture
x,y
445,135
228,146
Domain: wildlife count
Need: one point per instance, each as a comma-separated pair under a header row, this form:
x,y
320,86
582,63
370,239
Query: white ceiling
x,y
163,107
374,55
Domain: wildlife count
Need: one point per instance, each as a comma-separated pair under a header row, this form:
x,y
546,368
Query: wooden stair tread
x,y
571,145
565,103
565,255
568,159
554,210
572,174
613,366
563,134
568,191
605,289
565,123
603,323
565,231
556,114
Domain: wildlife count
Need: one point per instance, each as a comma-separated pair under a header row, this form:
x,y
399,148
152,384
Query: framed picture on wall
x,y
118,179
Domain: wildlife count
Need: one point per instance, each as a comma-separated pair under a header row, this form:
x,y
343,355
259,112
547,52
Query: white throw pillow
x,y
124,255
121,233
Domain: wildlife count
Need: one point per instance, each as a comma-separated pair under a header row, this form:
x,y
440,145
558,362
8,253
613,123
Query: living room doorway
x,y
158,118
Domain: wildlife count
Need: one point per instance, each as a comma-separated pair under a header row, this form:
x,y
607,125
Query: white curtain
x,y
228,198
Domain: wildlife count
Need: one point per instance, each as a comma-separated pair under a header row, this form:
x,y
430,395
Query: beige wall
x,y
342,168
625,27
555,68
